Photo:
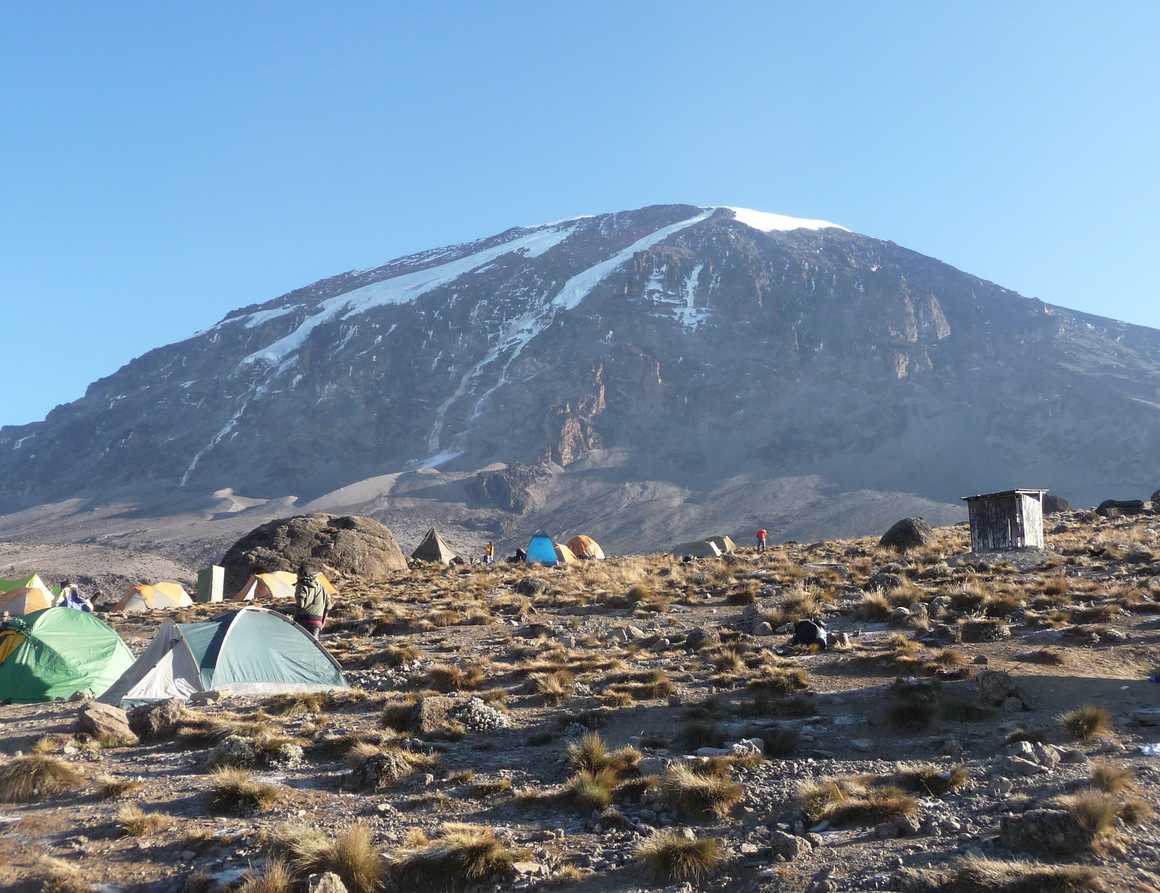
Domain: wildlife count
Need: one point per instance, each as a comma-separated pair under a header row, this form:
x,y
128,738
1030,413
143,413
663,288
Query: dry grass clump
x,y
776,681
913,705
58,876
855,800
1136,811
1112,779
592,754
975,874
591,791
727,661
236,791
700,791
802,603
109,787
1087,723
873,606
949,657
274,877
351,855
460,856
1093,811
297,703
1056,584
647,685
135,822
449,678
32,778
554,687
671,858
930,780
1047,656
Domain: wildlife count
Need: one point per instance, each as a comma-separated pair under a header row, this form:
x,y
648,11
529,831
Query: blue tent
x,y
541,550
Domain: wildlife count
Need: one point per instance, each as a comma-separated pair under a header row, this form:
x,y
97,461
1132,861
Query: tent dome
x,y
583,546
250,651
541,550
154,597
20,597
434,549
57,652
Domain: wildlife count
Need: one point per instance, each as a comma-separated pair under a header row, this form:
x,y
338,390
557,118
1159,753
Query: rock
x,y
909,533
527,867
763,629
788,846
1115,508
154,722
907,825
328,882
1156,501
635,633
1053,505
352,545
839,640
985,630
431,714
285,756
995,687
1001,786
202,698
702,637
108,724
886,830
887,582
900,616
1147,716
1051,832
233,750
981,660
381,771
530,586
940,605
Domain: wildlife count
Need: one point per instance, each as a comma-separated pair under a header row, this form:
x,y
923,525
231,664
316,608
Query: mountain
x,y
646,373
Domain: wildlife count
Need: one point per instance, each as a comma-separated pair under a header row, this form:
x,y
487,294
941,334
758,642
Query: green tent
x,y
57,652
251,651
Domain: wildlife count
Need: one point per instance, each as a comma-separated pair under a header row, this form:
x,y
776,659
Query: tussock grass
x,y
590,753
109,787
979,875
1136,811
273,877
351,855
1112,779
930,780
853,800
671,858
700,794
460,856
58,876
237,792
135,822
591,791
554,687
449,678
32,778
1087,723
874,606
1094,811
645,686
776,681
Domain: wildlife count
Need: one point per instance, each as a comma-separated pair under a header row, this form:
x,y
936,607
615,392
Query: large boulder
x,y
154,722
1156,501
1044,832
351,544
909,533
108,724
1053,505
1114,508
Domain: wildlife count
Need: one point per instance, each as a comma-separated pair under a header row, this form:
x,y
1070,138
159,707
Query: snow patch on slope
x,y
523,329
402,289
769,223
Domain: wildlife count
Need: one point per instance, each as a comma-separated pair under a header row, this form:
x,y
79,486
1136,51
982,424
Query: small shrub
x,y
592,754
274,877
1088,723
854,801
874,606
591,791
1094,811
351,855
1112,779
671,858
973,874
930,780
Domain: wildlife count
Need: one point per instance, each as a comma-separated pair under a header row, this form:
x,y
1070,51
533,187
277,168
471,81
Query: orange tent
x,y
583,546
276,585
154,597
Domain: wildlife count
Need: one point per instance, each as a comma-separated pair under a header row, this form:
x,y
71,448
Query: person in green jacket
x,y
311,601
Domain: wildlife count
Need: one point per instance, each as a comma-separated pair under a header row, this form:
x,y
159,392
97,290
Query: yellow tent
x,y
583,546
276,585
564,554
154,597
32,596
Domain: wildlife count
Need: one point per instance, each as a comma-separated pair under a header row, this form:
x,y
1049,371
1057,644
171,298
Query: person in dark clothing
x,y
810,632
311,601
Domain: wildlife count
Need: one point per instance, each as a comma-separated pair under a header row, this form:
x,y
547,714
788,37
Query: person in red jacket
x,y
762,535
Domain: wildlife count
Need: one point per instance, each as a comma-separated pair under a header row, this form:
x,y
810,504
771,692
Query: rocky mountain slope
x,y
655,359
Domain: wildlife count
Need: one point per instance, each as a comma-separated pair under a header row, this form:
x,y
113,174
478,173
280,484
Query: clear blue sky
x,y
165,163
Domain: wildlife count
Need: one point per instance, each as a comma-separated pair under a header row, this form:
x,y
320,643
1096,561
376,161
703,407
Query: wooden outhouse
x,y
1011,519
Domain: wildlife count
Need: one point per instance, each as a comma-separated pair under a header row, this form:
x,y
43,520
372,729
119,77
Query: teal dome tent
x,y
541,550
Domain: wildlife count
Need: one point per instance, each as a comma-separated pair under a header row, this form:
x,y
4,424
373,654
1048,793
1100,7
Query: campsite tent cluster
x,y
542,549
